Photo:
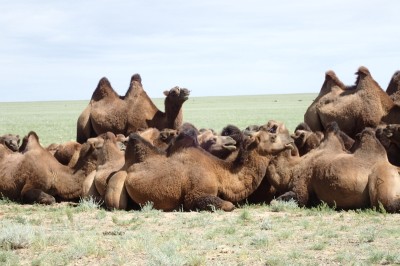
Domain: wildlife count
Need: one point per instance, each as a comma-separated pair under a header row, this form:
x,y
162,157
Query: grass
x,y
277,234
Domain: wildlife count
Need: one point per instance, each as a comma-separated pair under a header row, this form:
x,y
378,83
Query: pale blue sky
x,y
58,50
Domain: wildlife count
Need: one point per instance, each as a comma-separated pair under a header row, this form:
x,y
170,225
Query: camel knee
x,y
37,196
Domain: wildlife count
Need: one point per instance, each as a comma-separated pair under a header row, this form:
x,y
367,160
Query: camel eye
x,y
273,129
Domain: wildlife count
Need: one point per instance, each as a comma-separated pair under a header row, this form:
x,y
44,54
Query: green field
x,y
55,122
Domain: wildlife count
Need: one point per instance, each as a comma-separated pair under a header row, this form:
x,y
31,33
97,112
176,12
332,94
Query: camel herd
x,y
346,153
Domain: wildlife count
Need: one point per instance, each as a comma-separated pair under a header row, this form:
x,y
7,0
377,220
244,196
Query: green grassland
x,y
277,234
55,122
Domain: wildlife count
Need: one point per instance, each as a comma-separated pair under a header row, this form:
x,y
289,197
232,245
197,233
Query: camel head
x,y
234,132
177,95
306,141
11,141
392,132
272,138
220,146
187,137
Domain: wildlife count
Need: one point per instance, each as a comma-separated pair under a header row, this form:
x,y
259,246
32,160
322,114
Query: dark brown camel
x,y
194,179
34,176
107,111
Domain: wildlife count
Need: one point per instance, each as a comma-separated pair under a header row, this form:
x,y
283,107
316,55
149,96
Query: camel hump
x,y
363,70
331,75
104,82
136,77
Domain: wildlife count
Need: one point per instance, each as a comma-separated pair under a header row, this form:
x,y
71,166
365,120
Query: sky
x,y
59,50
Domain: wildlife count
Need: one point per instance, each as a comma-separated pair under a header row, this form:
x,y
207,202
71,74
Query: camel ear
x,y
166,93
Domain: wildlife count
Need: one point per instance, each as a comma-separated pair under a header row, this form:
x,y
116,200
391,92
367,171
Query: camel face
x,y
11,141
273,138
392,132
216,144
306,141
177,95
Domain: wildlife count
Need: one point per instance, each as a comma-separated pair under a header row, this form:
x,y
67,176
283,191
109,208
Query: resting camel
x,y
33,175
194,179
393,89
11,141
362,178
367,105
107,111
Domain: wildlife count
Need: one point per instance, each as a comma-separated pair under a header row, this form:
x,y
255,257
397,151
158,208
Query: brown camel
x,y
363,178
393,89
11,141
34,176
367,105
159,138
193,179
107,111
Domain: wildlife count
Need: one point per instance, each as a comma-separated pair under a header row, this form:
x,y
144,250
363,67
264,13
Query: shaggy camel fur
x,y
366,105
218,145
363,178
34,176
107,111
11,141
393,89
194,179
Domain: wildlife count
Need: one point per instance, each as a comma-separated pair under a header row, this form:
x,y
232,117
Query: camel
x,y
360,179
107,111
11,141
393,89
195,180
367,105
33,175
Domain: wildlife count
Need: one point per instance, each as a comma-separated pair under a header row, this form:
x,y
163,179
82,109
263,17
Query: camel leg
x,y
33,195
208,203
116,196
89,189
301,192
